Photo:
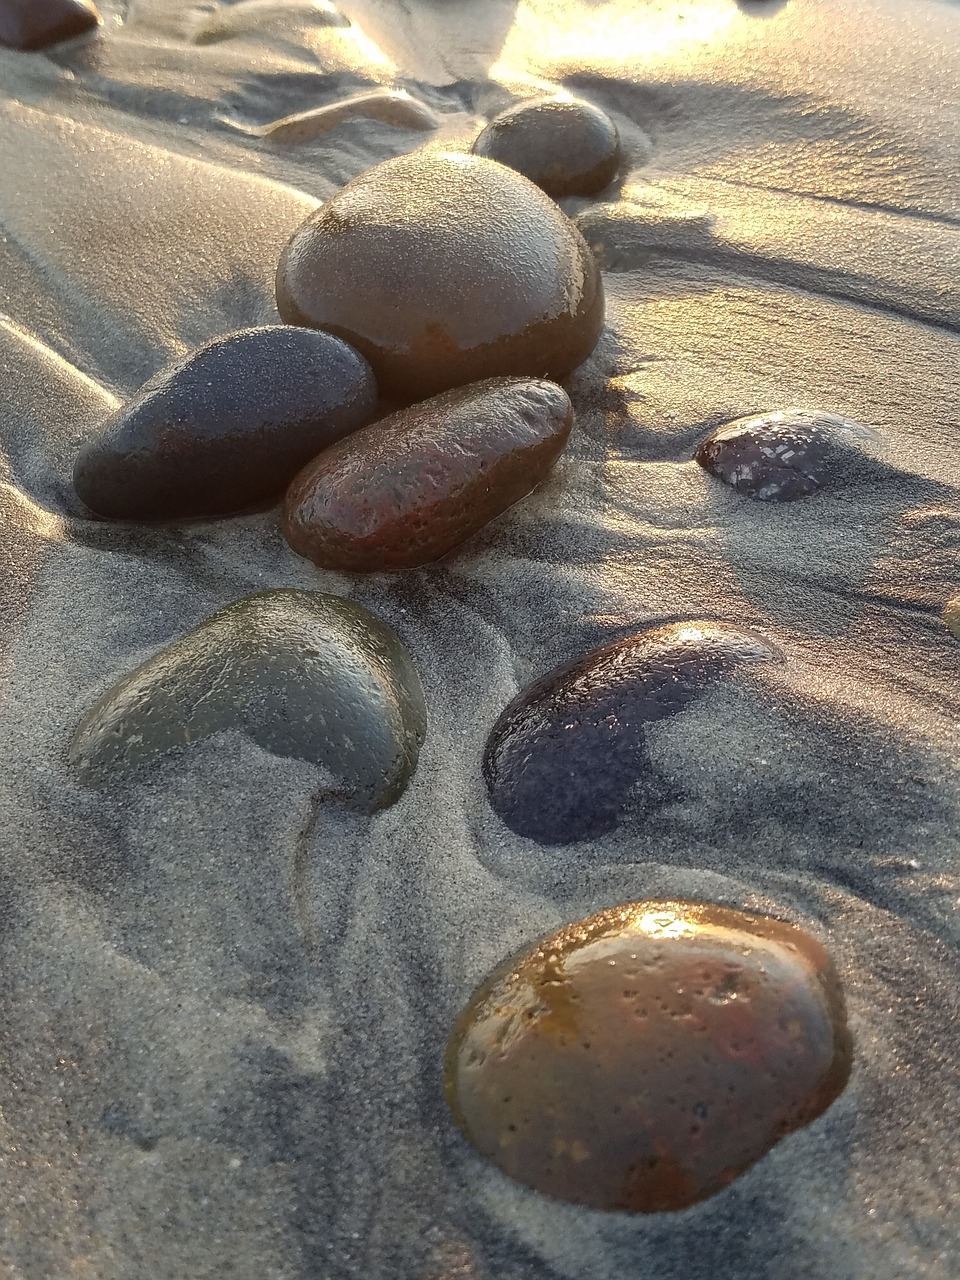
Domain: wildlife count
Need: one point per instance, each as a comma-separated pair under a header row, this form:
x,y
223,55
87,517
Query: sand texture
x,y
224,999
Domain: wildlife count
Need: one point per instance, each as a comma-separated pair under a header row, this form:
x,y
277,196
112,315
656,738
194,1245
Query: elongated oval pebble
x,y
562,758
445,269
408,489
226,428
304,674
37,24
566,146
782,456
257,17
643,1058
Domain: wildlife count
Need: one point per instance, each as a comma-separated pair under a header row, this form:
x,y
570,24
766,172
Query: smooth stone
x,y
393,107
642,1059
305,675
566,146
36,24
250,17
951,615
228,427
405,491
566,753
445,269
782,456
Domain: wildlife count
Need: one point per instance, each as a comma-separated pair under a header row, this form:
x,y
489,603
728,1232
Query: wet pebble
x,y
566,755
226,428
305,675
643,1058
566,146
445,269
36,24
412,487
782,456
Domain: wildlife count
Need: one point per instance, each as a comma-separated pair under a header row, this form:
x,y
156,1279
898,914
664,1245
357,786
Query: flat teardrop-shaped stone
x,y
445,269
226,428
566,146
37,24
256,17
408,489
782,456
562,758
305,675
643,1058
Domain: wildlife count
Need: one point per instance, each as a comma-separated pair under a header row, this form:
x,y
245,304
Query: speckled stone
x,y
564,756
445,269
37,24
643,1058
408,489
305,675
566,146
226,428
782,456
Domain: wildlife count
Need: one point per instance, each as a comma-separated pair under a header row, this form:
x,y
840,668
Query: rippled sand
x,y
224,1005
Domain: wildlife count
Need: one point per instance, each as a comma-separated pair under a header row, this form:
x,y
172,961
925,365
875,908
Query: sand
x,y
223,1005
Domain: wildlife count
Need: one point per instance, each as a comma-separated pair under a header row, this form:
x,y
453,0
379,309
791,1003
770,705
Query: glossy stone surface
x,y
305,675
445,269
37,24
643,1058
779,457
564,756
408,489
566,146
226,428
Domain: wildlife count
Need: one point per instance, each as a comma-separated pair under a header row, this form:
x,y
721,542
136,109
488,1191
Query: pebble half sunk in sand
x,y
569,753
37,24
408,489
566,146
444,269
227,427
782,456
305,675
643,1058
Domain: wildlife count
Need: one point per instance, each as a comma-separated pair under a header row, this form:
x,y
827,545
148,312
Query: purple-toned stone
x,y
564,756
36,24
782,456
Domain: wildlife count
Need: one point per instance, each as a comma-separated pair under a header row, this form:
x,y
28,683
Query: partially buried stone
x,y
226,428
566,146
779,457
565,756
445,269
408,489
643,1058
951,615
37,24
255,17
303,674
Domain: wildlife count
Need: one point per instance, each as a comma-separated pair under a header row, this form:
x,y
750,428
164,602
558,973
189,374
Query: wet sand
x,y
225,1000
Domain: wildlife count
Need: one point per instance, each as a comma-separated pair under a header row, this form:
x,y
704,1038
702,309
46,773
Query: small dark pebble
x,y
408,489
36,24
566,146
445,269
779,457
564,756
228,427
642,1059
305,675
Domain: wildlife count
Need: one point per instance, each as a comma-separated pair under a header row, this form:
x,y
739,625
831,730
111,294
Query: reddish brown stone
x,y
406,490
444,269
643,1058
35,24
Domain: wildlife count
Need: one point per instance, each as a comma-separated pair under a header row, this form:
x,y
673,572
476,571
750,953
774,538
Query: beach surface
x,y
225,997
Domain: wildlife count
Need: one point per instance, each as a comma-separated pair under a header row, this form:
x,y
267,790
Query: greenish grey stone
x,y
304,674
